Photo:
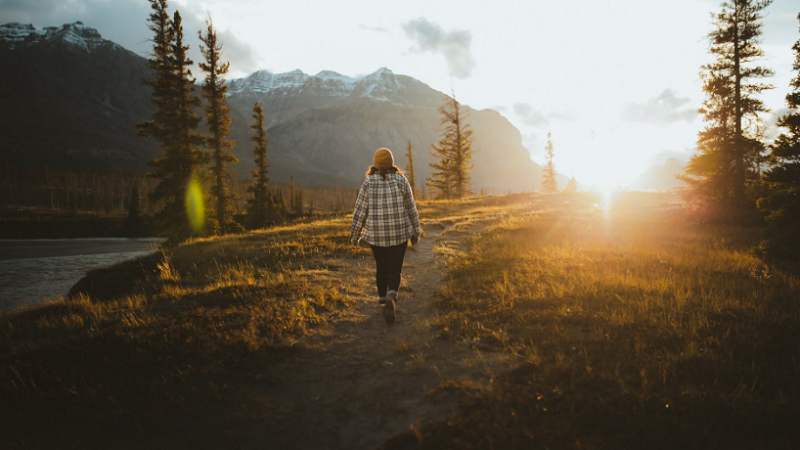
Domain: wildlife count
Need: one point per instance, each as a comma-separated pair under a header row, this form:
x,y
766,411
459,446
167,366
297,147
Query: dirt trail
x,y
368,381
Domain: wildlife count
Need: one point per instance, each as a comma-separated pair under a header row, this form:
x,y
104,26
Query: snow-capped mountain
x,y
382,85
72,98
16,35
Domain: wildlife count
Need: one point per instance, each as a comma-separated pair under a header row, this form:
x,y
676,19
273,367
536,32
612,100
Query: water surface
x,y
32,270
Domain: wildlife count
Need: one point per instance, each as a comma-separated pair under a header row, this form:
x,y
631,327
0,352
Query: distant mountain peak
x,y
16,35
382,85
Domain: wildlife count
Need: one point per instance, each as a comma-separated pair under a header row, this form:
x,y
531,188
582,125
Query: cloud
x,y
661,110
534,118
454,45
375,29
125,22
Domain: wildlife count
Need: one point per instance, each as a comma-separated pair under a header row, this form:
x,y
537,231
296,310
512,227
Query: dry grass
x,y
635,328
169,338
151,346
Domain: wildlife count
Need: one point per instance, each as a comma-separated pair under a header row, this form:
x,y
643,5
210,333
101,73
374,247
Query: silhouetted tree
x,y
292,195
215,90
160,62
549,183
299,202
782,201
175,121
133,222
730,150
412,179
261,208
451,175
282,209
572,186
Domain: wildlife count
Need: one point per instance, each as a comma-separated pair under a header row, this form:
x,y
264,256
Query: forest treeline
x,y
736,175
42,189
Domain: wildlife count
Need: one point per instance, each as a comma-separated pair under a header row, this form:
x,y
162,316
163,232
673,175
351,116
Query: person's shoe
x,y
388,310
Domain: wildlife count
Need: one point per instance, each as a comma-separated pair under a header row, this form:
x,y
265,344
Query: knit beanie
x,y
383,159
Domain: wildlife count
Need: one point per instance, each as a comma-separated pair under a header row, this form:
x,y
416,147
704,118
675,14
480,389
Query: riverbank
x,y
38,223
32,270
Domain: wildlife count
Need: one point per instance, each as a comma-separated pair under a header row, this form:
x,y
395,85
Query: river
x,y
32,270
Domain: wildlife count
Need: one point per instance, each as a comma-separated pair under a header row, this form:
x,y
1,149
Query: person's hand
x,y
414,240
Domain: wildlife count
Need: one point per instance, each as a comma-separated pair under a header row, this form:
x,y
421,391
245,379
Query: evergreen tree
x,y
179,187
160,62
572,186
282,210
450,177
292,195
299,203
410,171
782,202
549,183
133,222
730,149
215,90
261,209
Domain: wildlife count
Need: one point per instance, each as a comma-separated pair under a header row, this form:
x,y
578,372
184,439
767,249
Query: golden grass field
x,y
550,322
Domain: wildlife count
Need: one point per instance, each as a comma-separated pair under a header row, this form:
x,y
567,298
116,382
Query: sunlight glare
x,y
195,204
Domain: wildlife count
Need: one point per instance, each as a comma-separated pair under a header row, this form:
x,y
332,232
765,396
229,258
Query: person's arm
x,y
360,213
411,209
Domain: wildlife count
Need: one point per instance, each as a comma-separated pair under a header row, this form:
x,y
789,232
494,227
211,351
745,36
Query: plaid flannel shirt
x,y
386,211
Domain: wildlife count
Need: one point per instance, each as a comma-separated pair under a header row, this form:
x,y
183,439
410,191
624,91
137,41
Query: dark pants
x,y
389,264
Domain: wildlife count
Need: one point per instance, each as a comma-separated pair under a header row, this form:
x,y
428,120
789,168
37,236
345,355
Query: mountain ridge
x,y
323,128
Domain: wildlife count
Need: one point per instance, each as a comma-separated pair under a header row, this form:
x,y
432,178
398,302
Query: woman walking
x,y
386,212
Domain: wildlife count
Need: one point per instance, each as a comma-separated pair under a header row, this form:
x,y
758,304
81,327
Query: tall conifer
x,y
549,183
451,175
215,91
174,123
731,151
412,179
261,209
782,203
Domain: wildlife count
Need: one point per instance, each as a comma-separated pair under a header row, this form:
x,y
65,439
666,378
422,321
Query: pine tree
x,y
782,202
572,186
292,195
215,90
299,203
163,84
450,177
282,210
261,208
731,151
133,222
549,183
180,182
410,171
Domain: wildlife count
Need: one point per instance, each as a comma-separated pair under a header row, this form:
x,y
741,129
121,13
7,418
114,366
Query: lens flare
x,y
195,205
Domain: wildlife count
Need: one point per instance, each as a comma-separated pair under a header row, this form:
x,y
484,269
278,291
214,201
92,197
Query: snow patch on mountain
x,y
382,85
17,35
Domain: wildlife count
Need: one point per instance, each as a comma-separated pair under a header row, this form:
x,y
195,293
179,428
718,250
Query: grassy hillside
x,y
556,323
633,327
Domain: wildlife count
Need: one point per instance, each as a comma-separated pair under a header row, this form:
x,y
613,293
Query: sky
x,y
615,82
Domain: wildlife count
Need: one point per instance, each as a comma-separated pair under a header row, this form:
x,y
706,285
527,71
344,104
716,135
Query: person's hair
x,y
382,172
